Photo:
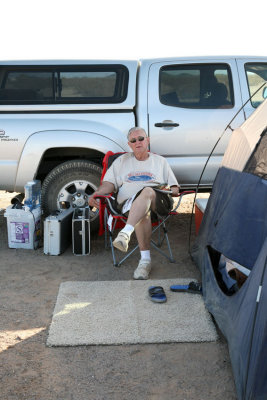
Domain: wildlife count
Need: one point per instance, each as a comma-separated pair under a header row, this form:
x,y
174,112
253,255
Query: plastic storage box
x,y
200,207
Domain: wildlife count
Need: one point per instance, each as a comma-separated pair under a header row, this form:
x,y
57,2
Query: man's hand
x,y
105,188
93,202
175,190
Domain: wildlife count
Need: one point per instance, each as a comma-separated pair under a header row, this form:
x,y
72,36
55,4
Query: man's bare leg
x,y
143,231
139,210
139,219
141,206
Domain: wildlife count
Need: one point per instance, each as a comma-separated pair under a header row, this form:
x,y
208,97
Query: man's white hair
x,y
134,129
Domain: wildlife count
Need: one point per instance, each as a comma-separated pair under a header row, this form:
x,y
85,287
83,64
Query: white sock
x,y
145,255
128,229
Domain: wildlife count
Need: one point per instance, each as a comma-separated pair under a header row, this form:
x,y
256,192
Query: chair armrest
x,y
106,201
180,195
103,197
185,192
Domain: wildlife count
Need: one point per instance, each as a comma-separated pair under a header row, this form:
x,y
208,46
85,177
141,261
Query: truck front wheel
x,y
69,185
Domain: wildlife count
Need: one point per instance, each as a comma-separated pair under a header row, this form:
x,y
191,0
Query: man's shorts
x,y
164,203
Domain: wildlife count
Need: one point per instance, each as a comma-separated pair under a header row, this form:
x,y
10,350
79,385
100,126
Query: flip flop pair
x,y
157,293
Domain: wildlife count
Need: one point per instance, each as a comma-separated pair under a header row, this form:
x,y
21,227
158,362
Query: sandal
x,y
157,294
192,287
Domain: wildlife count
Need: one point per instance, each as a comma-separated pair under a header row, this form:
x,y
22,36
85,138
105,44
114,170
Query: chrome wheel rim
x,y
76,194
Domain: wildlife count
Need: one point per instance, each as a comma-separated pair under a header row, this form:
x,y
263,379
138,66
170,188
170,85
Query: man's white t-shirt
x,y
129,175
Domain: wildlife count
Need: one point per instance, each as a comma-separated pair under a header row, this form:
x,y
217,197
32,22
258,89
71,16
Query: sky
x,y
123,29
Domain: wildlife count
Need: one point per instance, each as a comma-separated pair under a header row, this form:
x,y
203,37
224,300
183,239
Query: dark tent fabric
x,y
257,373
235,219
235,225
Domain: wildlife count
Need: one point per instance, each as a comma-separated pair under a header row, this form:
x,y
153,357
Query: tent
x,y
234,226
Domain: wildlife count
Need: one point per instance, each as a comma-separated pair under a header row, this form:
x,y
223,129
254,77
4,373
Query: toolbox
x,y
81,231
57,232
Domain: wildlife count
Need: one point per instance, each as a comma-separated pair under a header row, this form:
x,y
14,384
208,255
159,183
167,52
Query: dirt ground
x,y
29,283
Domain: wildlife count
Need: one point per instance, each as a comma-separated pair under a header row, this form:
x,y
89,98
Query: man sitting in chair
x,y
132,176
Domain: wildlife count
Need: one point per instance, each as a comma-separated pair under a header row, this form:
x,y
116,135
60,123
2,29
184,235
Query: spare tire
x,y
69,185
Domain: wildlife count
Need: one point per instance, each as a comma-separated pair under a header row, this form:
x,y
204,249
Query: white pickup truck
x,y
59,118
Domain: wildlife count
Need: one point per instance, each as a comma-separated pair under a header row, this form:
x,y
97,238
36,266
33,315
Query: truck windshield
x,y
256,76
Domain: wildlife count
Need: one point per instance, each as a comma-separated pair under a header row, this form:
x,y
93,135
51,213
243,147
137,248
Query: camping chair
x,y
111,219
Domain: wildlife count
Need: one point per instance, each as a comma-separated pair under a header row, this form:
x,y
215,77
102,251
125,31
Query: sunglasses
x,y
140,139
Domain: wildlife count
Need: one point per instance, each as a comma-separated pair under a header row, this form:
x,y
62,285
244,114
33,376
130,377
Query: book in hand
x,y
162,187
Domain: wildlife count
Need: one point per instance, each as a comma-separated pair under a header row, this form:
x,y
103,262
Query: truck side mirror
x,y
264,93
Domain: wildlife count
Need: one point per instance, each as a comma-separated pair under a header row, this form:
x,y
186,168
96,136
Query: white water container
x,y
23,227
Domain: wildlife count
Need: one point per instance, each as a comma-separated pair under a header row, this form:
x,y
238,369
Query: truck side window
x,y
79,84
256,76
196,86
88,84
26,85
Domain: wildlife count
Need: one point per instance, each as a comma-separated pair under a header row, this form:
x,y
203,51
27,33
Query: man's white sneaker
x,y
121,242
143,269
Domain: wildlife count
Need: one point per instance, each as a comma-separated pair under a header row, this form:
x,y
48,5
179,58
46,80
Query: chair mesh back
x,y
108,160
113,158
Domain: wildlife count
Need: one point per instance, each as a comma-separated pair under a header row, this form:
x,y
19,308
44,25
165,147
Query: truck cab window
x,y
196,86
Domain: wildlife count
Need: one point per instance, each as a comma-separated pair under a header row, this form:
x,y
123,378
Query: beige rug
x,y
120,312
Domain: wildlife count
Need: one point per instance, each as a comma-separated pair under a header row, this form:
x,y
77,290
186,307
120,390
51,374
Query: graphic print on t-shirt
x,y
140,177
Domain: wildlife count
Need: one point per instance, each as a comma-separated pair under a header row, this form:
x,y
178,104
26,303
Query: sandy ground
x,y
31,370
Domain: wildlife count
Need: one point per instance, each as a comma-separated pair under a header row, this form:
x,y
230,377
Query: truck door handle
x,y
166,124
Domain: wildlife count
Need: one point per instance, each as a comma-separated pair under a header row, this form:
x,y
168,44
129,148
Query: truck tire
x,y
69,185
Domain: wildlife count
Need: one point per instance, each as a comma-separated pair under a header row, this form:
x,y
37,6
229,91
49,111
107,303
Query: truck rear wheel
x,y
69,185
